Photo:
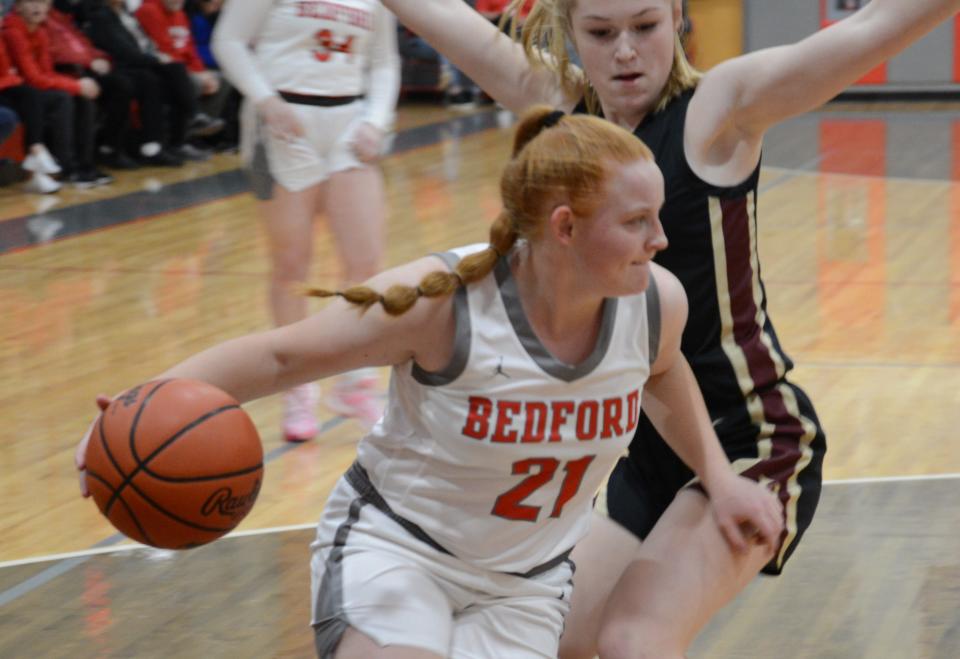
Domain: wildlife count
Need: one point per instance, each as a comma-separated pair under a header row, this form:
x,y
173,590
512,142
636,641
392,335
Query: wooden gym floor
x,y
860,242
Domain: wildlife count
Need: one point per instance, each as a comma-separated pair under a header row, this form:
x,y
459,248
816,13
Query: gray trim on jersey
x,y
528,338
331,620
653,317
461,339
359,480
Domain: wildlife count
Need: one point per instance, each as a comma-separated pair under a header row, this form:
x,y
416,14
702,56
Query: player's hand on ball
x,y
80,456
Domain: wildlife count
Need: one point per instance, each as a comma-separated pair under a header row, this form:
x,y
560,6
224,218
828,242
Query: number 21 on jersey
x,y
510,504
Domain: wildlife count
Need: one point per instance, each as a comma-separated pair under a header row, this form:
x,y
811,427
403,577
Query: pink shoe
x,y
356,396
299,415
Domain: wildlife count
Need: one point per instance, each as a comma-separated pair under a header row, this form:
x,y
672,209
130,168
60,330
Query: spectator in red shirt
x,y
37,110
27,39
70,48
168,26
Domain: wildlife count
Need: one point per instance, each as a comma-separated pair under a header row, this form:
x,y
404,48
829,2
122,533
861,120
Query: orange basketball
x,y
174,463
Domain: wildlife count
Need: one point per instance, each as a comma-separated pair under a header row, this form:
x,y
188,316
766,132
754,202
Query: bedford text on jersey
x,y
532,421
331,11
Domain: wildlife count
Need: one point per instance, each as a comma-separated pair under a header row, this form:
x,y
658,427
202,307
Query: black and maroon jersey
x,y
767,425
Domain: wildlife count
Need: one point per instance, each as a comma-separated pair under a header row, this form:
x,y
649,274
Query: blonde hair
x,y
545,34
556,158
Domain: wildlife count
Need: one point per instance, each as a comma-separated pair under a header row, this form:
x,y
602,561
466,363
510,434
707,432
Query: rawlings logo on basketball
x,y
130,397
224,502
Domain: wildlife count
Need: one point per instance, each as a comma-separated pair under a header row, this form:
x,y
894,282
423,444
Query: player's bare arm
x,y
674,404
475,46
738,100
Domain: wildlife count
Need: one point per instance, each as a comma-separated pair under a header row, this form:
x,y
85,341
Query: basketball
x,y
174,463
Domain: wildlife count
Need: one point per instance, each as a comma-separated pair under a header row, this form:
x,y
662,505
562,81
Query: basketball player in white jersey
x,y
518,371
320,81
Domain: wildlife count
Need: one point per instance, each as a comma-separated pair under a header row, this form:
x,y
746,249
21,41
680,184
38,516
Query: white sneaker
x,y
40,183
50,165
41,162
299,413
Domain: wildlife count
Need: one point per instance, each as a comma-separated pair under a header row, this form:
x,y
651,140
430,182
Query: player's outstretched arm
x,y
674,404
738,100
475,46
341,337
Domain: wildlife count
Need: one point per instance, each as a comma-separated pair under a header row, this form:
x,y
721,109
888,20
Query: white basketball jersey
x,y
497,458
321,48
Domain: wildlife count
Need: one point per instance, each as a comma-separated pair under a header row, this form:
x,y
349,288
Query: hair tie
x,y
552,119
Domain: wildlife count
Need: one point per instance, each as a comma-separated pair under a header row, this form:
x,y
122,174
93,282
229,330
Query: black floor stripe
x,y
30,230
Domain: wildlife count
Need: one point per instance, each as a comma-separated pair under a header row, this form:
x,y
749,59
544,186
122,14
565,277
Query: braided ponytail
x,y
399,298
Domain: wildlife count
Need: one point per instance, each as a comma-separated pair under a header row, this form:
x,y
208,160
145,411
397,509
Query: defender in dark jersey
x,y
706,133
765,423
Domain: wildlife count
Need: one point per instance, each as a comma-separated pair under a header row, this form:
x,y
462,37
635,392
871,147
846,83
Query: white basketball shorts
x,y
370,573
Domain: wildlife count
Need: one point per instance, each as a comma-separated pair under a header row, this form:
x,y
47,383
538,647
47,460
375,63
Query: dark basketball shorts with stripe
x,y
785,448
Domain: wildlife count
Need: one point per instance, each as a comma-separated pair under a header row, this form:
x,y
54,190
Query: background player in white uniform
x,y
320,79
510,400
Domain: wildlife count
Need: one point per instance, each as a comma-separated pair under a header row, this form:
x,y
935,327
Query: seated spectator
x,y
159,82
203,15
26,37
167,25
74,55
38,110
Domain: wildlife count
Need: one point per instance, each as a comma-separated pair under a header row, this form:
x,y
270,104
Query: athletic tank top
x,y
498,456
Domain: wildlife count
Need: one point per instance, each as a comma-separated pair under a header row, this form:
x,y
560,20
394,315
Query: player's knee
x,y
291,266
361,265
636,640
